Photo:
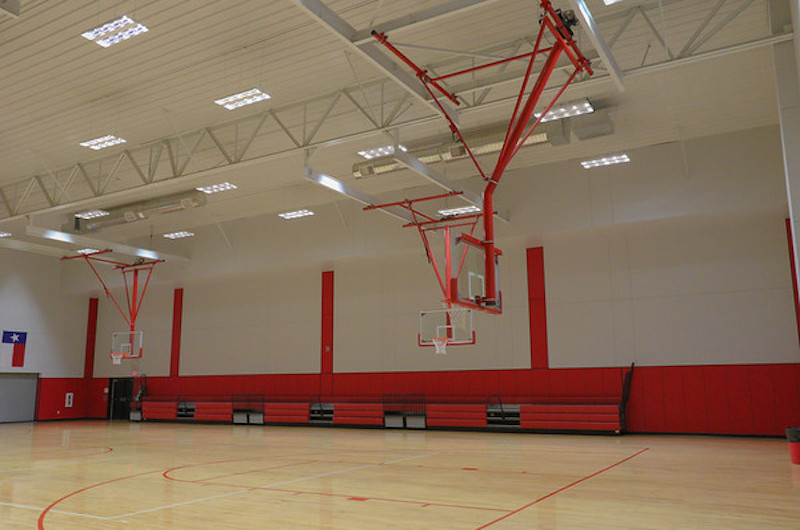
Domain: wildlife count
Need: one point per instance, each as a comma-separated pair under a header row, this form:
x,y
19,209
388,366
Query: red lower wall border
x,y
731,399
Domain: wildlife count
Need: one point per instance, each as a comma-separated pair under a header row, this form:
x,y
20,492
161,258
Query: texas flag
x,y
18,339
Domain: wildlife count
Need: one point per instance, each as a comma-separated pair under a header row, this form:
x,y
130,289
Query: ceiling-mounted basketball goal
x,y
465,283
136,277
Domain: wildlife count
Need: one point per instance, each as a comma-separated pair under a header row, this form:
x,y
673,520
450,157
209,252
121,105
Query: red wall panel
x,y
91,339
177,323
694,399
536,307
52,395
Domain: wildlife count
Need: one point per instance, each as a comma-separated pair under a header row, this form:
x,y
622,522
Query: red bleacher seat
x,y
213,412
358,414
160,410
286,412
456,415
570,417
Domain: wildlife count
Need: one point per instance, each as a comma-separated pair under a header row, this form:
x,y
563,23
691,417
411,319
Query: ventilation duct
x,y
142,210
480,143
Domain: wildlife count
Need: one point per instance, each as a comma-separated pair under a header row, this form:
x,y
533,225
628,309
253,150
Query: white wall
x,y
31,300
376,317
701,290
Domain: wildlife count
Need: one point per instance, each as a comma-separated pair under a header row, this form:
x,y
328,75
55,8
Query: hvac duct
x,y
130,213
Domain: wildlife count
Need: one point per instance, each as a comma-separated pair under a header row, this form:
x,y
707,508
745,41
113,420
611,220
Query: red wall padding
x,y
536,307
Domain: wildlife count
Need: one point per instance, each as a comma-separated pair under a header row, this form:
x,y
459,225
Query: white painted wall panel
x,y
253,324
701,290
31,301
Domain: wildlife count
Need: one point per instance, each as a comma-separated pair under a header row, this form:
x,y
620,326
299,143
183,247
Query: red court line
x,y
68,495
556,492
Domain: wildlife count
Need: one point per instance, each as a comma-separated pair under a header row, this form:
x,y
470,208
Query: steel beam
x,y
348,191
600,46
83,241
417,166
368,50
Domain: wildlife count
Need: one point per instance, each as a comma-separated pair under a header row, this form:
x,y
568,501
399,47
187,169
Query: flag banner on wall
x,y
17,339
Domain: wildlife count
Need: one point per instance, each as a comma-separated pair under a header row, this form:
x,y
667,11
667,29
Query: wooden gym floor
x,y
87,475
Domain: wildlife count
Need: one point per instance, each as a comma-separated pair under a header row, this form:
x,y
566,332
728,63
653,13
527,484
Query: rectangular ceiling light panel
x,y
243,98
103,142
85,251
5,234
567,110
459,211
376,152
606,161
611,2
115,31
216,188
295,214
91,214
179,234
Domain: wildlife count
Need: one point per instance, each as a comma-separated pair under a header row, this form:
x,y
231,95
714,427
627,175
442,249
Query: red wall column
x,y
91,339
794,276
177,321
326,355
537,307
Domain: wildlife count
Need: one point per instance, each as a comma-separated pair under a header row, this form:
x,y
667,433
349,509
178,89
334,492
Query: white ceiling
x,y
157,91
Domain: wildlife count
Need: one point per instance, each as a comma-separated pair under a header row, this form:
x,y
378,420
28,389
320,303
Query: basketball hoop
x,y
116,357
440,343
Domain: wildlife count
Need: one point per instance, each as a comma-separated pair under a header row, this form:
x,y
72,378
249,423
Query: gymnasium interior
x,y
254,272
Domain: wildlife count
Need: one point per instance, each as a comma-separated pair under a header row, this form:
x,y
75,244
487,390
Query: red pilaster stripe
x,y
91,339
789,238
326,361
536,307
177,320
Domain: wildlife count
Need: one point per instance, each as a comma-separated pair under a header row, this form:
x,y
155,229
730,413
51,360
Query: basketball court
x,y
182,476
419,264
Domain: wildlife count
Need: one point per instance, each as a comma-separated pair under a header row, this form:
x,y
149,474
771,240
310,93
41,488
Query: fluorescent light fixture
x,y
103,142
180,234
567,110
386,150
459,211
243,98
611,2
295,214
87,251
91,214
605,161
216,188
6,234
115,31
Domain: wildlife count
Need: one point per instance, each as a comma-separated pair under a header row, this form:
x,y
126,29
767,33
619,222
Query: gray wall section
x,y
17,397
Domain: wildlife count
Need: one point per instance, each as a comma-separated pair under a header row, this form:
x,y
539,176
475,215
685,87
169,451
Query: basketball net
x,y
440,343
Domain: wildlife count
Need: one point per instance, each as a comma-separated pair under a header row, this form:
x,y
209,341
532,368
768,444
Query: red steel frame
x,y
552,23
133,297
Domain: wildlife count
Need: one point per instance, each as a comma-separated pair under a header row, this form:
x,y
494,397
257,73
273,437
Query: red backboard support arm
x,y
554,23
